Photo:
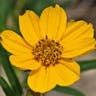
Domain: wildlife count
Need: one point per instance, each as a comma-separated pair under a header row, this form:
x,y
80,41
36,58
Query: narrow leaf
x,y
69,90
6,88
10,72
87,65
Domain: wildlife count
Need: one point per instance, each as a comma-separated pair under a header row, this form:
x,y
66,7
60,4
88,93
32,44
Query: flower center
x,y
47,51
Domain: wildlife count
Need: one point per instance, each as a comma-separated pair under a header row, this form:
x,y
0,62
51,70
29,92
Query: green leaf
x,y
6,88
10,72
69,90
87,65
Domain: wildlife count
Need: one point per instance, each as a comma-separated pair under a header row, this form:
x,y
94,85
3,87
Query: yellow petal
x,y
53,22
43,22
78,48
29,27
42,80
78,41
13,43
78,29
72,65
24,61
68,72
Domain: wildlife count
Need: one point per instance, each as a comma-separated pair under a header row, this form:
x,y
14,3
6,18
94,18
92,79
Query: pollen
x,y
47,52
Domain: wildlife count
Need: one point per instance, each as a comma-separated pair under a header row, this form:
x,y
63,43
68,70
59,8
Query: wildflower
x,y
47,46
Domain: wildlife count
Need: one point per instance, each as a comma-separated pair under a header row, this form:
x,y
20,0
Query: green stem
x,y
16,87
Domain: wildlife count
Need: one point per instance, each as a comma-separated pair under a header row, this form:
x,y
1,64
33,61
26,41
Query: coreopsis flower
x,y
47,46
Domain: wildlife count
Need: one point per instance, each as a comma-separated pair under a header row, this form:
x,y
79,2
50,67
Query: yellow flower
x,y
47,46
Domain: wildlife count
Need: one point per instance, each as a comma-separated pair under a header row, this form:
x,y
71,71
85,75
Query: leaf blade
x,y
69,90
6,88
15,84
87,65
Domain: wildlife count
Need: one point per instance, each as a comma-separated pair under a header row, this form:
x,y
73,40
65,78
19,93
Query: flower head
x,y
47,46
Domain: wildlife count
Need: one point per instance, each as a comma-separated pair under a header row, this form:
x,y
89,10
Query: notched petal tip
x,y
26,14
57,5
29,12
91,26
